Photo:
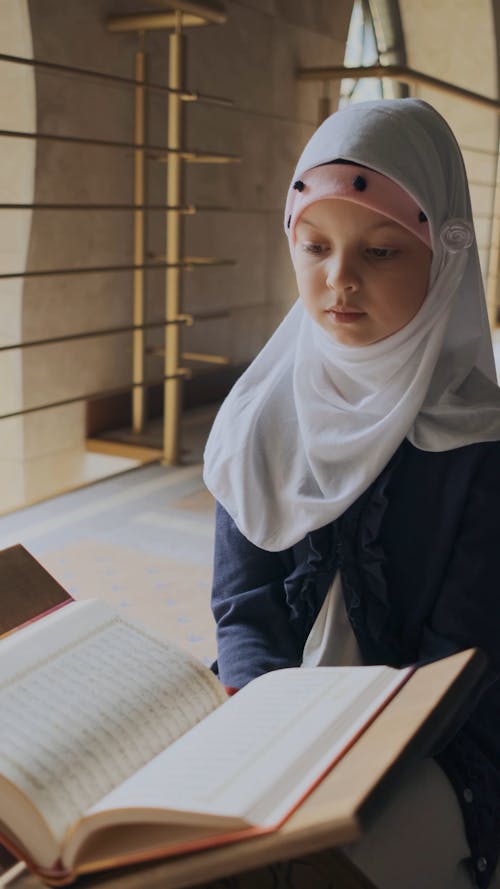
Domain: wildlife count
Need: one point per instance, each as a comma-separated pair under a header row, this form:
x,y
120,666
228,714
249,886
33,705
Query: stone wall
x,y
250,60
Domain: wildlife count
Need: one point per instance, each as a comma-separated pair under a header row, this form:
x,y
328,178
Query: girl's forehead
x,y
333,213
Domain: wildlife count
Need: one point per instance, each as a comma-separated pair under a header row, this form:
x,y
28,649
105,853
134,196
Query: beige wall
x,y
455,41
251,60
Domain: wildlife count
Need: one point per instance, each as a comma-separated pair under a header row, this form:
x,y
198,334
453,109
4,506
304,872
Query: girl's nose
x,y
341,274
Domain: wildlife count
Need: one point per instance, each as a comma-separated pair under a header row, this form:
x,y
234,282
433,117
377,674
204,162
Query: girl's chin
x,y
347,332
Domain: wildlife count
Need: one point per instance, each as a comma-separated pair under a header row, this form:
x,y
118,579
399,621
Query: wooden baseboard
x,y
115,412
123,449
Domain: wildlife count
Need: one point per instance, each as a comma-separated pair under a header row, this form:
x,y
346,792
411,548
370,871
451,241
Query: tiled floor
x,y
142,541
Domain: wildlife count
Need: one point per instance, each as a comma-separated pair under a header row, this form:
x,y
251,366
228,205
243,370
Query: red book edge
x,y
59,876
37,617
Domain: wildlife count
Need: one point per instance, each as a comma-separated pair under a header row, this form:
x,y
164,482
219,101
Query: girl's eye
x,y
313,248
382,252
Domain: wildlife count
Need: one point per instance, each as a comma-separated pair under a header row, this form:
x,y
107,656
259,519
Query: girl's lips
x,y
345,315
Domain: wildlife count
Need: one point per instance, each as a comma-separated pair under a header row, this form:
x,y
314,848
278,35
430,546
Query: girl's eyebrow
x,y
386,223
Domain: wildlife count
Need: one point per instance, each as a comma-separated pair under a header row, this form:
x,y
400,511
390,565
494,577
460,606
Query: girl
x,y
356,465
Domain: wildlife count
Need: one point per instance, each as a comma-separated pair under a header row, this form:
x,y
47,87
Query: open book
x,y
116,746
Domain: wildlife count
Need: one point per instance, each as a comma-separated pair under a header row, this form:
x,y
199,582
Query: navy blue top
x,y
419,556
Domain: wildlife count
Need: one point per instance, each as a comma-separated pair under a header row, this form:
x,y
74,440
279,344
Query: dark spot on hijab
x,y
359,183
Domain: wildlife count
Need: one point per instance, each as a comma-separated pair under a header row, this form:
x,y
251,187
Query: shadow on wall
x,y
17,178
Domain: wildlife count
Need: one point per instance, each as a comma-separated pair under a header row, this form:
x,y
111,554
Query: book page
x,y
256,756
86,699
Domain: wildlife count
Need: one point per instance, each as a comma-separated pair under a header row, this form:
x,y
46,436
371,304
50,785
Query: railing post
x,y
172,391
138,392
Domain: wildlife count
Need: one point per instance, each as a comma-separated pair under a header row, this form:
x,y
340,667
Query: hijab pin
x,y
299,185
422,217
359,183
456,235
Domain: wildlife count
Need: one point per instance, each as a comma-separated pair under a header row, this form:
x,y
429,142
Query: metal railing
x,y
173,263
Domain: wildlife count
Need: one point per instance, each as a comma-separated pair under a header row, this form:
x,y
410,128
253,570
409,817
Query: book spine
x,y
36,617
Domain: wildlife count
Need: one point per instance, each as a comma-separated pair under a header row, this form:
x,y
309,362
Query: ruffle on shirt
x,y
307,586
352,546
362,560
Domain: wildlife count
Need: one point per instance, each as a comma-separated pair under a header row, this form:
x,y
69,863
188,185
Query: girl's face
x,y
360,275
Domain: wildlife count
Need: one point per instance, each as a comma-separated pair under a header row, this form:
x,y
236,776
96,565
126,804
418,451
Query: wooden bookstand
x,y
336,812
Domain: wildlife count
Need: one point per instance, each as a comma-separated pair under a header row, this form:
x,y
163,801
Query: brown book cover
x,y
27,590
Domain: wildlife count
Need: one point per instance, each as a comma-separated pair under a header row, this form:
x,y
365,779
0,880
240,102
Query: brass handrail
x,y
181,373
130,82
94,270
187,320
199,157
187,211
206,358
396,72
183,153
192,262
185,13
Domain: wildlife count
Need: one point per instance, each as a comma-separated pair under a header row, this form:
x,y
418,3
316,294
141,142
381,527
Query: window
x,y
361,49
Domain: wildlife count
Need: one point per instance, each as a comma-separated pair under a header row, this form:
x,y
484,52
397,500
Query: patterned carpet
x,y
142,541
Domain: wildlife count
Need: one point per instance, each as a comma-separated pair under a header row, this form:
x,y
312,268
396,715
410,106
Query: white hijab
x,y
311,423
